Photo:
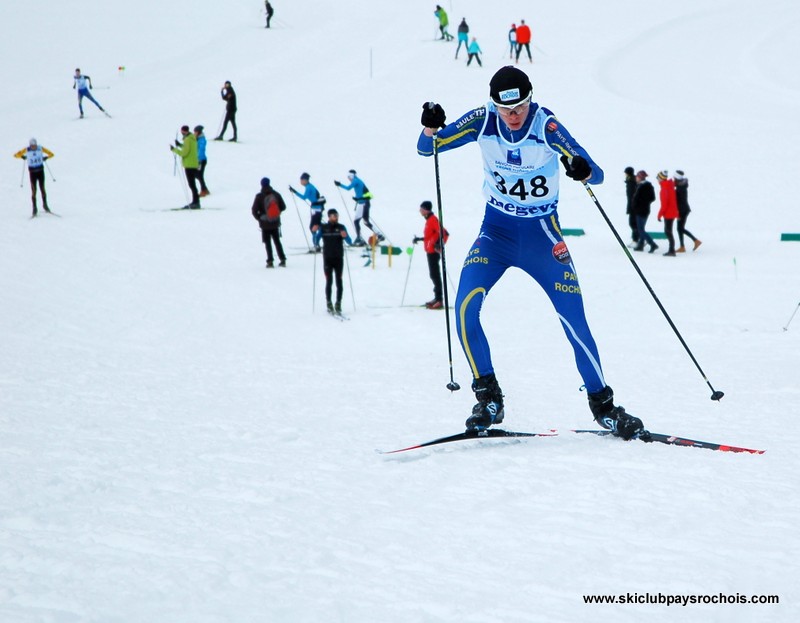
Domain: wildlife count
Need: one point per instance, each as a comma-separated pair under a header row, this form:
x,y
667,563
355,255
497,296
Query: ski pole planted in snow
x,y
350,279
786,328
300,218
715,394
47,166
452,385
410,252
22,177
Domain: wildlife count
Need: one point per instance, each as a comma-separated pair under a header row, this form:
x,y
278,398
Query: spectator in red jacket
x,y
669,208
430,242
524,39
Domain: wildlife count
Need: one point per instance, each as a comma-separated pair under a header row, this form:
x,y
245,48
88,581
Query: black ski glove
x,y
337,183
417,239
432,115
578,169
292,190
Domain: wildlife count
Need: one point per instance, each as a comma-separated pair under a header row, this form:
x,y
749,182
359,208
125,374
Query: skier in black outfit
x,y
270,11
229,95
267,207
334,235
630,191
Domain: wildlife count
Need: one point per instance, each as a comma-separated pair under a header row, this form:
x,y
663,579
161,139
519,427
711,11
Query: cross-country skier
x,y
334,235
266,209
83,84
187,150
361,196
202,160
317,202
229,95
269,10
36,155
521,142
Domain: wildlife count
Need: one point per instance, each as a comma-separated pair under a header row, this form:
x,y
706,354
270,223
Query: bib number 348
x,y
522,188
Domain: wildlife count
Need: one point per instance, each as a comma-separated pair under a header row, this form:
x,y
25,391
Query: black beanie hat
x,y
333,211
305,176
426,205
629,170
509,86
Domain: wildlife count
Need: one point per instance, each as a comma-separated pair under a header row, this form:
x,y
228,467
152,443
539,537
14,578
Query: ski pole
x,y
47,166
786,328
300,218
346,209
408,272
715,394
350,279
314,286
22,176
452,385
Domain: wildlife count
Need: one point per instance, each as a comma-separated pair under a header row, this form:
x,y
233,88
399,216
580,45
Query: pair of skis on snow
x,y
494,433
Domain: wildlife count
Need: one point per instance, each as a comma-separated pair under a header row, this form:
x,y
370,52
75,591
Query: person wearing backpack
x,y
432,245
267,207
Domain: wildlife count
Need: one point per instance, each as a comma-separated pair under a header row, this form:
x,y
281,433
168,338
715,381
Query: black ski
x,y
490,433
674,440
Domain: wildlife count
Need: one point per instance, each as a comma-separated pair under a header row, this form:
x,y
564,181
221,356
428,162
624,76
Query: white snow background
x,y
184,439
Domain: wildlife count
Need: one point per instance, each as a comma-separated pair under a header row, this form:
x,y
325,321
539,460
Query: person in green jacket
x,y
441,14
191,164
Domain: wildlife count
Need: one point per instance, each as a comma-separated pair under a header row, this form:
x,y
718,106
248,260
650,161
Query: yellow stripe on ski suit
x,y
461,312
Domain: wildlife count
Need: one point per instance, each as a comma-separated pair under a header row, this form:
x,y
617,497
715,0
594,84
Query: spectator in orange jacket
x,y
669,208
524,39
430,242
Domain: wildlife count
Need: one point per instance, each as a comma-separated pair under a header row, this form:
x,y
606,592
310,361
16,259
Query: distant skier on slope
x,y
362,198
317,203
36,155
229,95
520,142
83,84
333,235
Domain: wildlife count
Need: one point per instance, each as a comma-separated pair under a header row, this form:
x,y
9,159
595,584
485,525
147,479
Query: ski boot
x,y
330,308
489,409
337,308
614,418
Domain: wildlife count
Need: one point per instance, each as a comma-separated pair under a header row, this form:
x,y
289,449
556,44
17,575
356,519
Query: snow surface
x,y
187,437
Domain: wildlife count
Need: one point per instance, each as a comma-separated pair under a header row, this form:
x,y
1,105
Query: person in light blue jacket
x,y
317,203
361,196
474,51
202,161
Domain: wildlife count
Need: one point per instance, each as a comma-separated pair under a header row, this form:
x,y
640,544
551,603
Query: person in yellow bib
x,y
36,155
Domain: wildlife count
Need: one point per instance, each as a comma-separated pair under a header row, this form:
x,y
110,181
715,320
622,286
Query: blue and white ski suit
x,y
311,194
520,227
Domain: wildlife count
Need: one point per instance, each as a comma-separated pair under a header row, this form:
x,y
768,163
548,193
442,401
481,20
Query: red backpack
x,y
273,209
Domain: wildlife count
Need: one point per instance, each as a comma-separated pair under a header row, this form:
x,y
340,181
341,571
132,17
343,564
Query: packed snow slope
x,y
187,437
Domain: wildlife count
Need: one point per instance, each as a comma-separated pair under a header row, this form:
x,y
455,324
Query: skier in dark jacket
x,y
630,190
270,11
463,35
682,195
267,207
640,205
334,235
229,95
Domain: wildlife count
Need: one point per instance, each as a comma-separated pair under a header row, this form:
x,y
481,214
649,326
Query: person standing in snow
x,y
642,198
512,40
36,155
270,11
474,51
362,198
682,196
317,202
83,84
266,209
229,95
187,150
463,35
524,40
202,160
441,15
432,244
669,208
333,235
630,190
521,142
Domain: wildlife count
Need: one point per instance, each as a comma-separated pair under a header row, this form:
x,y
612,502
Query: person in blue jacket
x,y
317,202
521,143
361,196
202,160
83,84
